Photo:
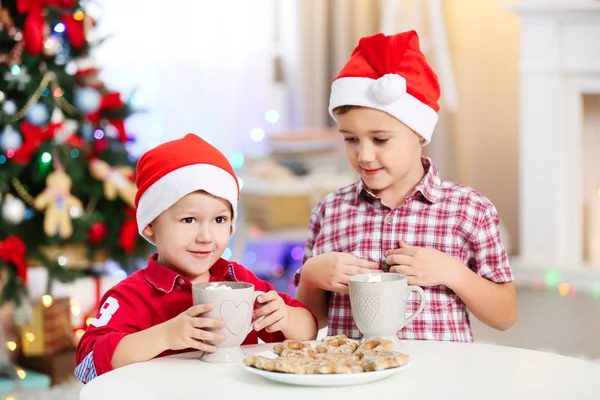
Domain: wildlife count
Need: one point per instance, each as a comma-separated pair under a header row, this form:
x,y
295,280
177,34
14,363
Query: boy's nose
x,y
366,154
203,235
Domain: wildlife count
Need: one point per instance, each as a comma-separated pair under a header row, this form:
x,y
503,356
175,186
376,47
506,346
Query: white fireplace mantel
x,y
559,61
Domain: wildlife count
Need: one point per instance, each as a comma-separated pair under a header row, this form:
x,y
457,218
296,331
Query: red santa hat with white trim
x,y
179,167
391,74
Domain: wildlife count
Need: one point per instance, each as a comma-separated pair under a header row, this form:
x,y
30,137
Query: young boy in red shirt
x,y
401,216
186,206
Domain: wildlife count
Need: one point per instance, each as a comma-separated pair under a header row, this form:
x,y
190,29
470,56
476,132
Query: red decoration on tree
x,y
129,232
33,29
74,30
12,251
97,233
110,101
33,136
100,145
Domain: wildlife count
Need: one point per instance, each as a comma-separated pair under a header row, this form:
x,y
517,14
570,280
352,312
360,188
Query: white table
x,y
439,370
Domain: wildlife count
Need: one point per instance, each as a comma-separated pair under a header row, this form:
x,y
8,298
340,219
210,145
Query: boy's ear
x,y
421,138
148,230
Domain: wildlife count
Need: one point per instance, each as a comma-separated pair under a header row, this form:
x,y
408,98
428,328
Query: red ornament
x,y
100,145
12,251
74,30
97,233
129,232
33,29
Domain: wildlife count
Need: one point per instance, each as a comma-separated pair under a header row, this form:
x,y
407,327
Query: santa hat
x,y
391,74
174,169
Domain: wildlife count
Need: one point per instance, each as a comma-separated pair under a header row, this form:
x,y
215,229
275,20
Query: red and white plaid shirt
x,y
438,214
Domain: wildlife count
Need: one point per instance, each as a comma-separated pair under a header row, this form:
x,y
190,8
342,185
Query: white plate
x,y
326,379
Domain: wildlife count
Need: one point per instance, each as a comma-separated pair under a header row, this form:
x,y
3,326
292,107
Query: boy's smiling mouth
x,y
372,171
200,254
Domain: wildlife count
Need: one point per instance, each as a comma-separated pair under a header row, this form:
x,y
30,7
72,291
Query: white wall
x,y
198,66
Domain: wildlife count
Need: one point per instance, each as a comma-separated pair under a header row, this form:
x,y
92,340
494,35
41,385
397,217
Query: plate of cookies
x,y
335,361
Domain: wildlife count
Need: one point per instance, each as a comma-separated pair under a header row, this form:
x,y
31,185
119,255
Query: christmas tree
x,y
66,178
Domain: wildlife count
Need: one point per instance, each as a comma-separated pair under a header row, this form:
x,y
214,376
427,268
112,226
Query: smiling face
x,y
192,234
385,152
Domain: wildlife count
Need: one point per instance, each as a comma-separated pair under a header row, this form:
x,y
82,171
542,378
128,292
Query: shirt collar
x,y
430,187
164,279
431,184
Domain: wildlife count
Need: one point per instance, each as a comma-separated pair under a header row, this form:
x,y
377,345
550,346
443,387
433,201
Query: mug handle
x,y
256,294
414,315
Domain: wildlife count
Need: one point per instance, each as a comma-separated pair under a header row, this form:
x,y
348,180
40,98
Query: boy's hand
x,y
275,311
330,271
186,330
422,266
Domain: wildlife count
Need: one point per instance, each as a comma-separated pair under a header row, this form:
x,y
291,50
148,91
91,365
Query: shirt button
x,y
180,281
389,220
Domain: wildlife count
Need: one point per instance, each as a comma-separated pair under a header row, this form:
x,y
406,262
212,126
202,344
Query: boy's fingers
x,y
269,296
200,345
353,260
402,269
340,288
265,310
208,323
399,259
200,334
277,326
268,321
199,309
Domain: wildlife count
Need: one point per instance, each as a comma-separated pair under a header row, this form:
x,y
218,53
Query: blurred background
x,y
109,79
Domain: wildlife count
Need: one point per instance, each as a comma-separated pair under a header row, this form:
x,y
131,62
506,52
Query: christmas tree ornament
x,y
87,99
23,313
74,29
71,67
37,114
76,212
33,137
10,139
115,181
97,233
57,116
13,210
87,131
87,73
52,45
17,77
9,108
13,257
57,200
64,128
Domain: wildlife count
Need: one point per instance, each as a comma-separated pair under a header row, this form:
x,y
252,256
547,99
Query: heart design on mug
x,y
236,316
367,306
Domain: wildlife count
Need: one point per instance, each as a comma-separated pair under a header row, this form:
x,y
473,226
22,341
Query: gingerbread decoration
x,y
115,181
57,200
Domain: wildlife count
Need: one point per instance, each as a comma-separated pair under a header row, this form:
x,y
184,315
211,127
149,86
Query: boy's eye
x,y
221,220
188,220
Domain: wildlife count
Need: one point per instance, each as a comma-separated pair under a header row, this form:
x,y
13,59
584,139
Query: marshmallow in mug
x,y
374,278
221,287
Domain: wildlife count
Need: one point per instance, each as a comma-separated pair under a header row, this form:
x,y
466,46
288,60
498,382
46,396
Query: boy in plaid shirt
x,y
400,216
